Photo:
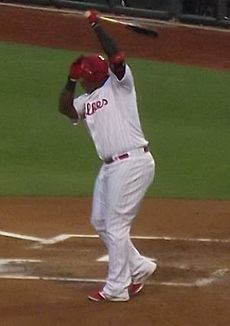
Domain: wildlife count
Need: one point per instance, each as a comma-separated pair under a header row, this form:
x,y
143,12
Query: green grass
x,y
187,119
184,113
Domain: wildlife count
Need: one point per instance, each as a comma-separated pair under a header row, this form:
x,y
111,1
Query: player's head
x,y
95,70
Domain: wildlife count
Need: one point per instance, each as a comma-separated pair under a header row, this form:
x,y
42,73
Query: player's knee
x,y
97,223
117,236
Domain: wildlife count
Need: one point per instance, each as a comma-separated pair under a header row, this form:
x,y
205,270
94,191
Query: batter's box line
x,y
202,282
62,237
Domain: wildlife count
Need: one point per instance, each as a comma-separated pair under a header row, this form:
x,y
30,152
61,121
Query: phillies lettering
x,y
91,108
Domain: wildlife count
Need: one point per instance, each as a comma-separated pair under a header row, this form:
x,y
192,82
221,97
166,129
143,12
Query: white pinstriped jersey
x,y
111,116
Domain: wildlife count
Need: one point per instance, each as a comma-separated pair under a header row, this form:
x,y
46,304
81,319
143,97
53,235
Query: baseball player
x,y
109,110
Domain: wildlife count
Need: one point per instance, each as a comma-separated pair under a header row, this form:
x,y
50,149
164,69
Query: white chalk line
x,y
202,282
159,22
63,237
4,261
213,277
105,259
20,236
102,259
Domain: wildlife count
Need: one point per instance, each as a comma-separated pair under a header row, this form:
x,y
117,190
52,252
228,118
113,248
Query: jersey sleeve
x,y
127,81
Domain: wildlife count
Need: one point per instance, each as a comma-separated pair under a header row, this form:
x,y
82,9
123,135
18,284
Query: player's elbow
x,y
66,98
62,108
67,109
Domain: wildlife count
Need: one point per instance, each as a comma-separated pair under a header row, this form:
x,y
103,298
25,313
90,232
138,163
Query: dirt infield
x,y
187,238
51,247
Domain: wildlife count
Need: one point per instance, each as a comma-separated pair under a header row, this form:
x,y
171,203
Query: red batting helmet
x,y
94,68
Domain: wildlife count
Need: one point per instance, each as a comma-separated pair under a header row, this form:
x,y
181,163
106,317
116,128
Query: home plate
x,y
105,259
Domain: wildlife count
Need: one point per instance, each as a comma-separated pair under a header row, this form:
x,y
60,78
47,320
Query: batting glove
x,y
92,17
75,69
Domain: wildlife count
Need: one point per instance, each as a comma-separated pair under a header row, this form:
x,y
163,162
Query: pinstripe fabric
x,y
118,192
111,116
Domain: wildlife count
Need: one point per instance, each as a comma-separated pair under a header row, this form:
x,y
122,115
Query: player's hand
x,y
92,17
75,69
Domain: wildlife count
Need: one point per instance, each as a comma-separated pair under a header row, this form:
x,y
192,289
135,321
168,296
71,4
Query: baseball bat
x,y
134,27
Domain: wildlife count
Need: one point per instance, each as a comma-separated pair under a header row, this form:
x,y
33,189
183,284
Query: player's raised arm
x,y
115,56
66,106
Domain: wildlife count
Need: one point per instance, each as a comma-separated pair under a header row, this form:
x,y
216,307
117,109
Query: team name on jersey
x,y
91,108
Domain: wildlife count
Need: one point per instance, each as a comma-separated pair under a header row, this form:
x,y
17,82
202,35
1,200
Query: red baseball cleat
x,y
137,285
96,296
100,297
135,288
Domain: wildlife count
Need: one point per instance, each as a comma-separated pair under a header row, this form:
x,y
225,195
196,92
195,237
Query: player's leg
x,y
138,264
99,206
127,185
136,261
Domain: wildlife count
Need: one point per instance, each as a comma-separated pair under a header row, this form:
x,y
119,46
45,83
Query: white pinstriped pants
x,y
118,192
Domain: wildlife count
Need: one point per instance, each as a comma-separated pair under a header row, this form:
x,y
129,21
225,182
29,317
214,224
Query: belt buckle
x,y
117,158
123,156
